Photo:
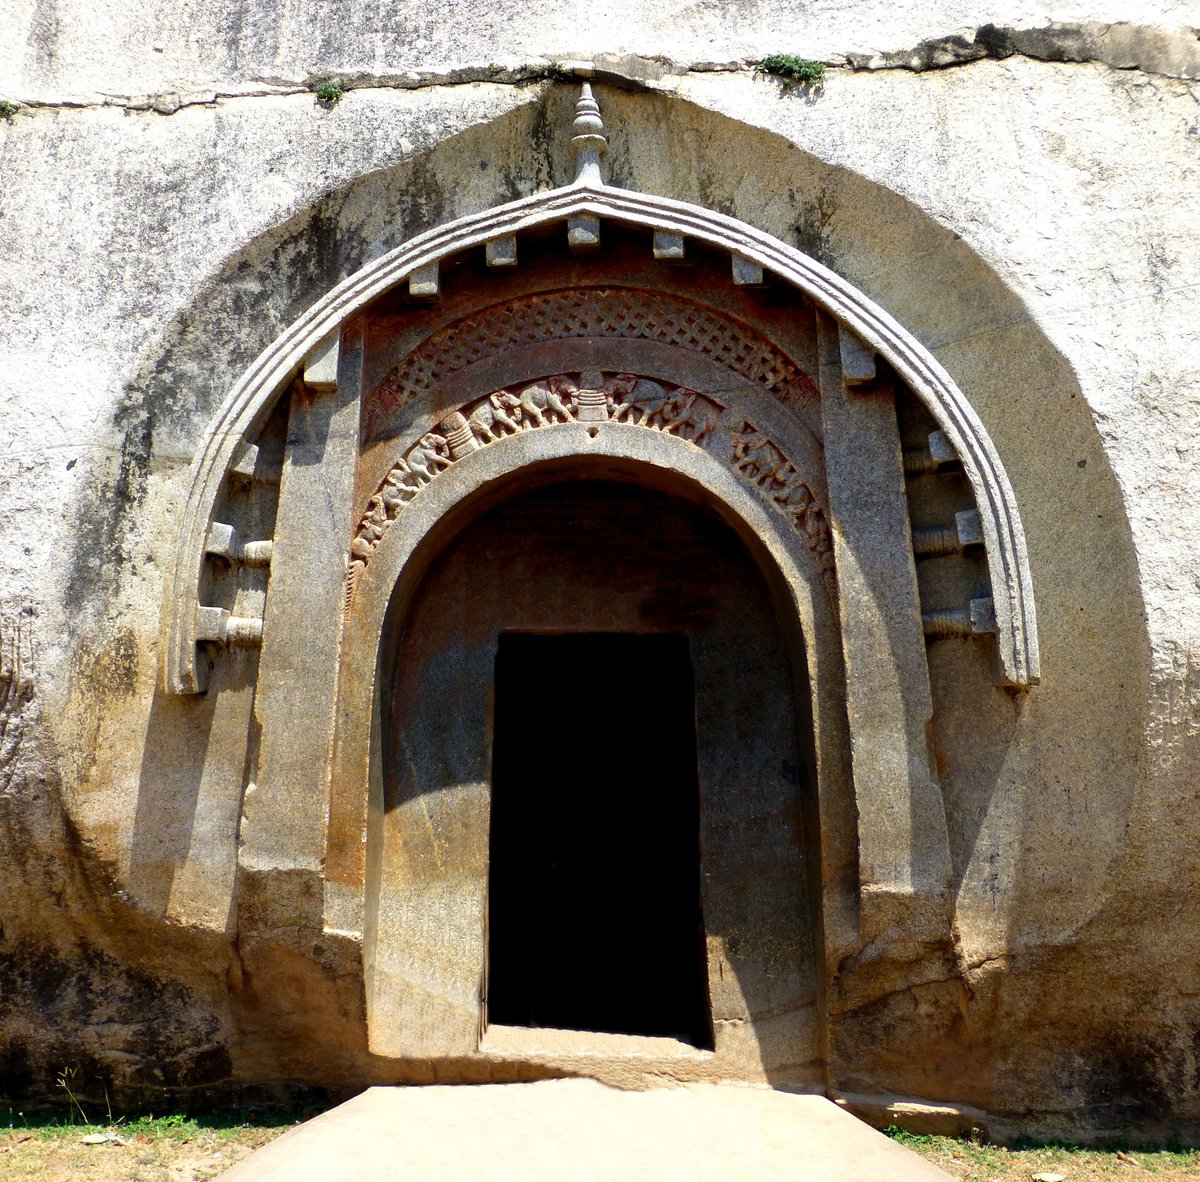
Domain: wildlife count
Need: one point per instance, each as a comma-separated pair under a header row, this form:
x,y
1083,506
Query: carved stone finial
x,y
588,139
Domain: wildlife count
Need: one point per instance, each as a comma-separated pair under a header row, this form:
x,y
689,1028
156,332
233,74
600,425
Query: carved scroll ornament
x,y
592,397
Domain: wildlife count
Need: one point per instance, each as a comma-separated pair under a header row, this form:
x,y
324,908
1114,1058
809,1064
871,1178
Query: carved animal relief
x,y
594,397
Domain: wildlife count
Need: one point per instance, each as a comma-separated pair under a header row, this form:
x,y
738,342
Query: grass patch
x,y
7,109
793,71
978,1161
179,1126
330,93
48,1147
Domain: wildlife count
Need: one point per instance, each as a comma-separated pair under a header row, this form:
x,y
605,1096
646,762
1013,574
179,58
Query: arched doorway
x,y
637,337
599,791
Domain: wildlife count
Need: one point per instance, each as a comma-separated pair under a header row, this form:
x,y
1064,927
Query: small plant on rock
x,y
793,71
7,109
550,71
330,93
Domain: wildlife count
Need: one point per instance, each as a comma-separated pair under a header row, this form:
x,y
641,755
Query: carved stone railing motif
x,y
593,397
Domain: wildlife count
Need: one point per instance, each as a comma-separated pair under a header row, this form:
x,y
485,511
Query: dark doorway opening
x,y
594,919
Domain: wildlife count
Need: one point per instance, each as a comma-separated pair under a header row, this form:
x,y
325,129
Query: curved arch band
x,y
250,401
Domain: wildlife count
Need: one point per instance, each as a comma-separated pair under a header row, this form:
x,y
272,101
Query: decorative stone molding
x,y
588,199
625,398
590,312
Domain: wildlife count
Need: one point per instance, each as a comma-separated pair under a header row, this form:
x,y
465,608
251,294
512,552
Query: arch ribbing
x,y
250,401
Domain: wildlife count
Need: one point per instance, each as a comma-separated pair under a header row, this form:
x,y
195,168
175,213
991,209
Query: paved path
x,y
576,1130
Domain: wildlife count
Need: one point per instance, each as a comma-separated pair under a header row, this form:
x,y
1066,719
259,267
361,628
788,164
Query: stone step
x,y
577,1130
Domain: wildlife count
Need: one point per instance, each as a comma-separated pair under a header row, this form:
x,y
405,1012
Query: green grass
x,y
976,1153
983,1160
330,93
7,109
52,1125
793,71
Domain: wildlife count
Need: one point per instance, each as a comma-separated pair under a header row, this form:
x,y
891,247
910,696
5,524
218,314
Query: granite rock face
x,y
185,908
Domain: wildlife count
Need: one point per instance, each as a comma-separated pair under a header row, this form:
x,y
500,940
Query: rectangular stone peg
x,y
501,252
425,282
969,527
321,365
667,245
250,468
858,359
746,272
583,232
222,541
982,614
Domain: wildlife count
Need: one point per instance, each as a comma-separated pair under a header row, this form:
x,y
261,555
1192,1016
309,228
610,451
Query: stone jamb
x,y
904,849
283,819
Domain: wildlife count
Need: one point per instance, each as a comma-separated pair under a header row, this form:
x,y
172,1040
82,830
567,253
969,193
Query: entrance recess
x,y
596,789
370,506
594,918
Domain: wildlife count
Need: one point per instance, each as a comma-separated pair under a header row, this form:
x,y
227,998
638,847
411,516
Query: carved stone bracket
x,y
591,397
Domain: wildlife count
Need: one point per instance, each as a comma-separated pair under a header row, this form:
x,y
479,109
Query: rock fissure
x,y
1149,49
1171,53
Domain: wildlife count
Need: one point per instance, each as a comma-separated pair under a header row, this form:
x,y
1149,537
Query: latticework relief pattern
x,y
593,398
622,313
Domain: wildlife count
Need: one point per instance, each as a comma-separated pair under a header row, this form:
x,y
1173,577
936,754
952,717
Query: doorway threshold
x,y
533,1042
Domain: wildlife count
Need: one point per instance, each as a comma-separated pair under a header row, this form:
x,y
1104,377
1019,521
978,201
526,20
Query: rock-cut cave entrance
x,y
594,915
600,791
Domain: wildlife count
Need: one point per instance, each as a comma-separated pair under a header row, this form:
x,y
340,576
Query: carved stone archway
x,y
416,1005
671,346
312,344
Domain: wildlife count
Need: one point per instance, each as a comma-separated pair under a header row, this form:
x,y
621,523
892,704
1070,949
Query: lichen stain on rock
x,y
118,1026
811,229
18,664
16,1073
315,255
84,981
106,680
423,202
544,136
113,669
102,522
1125,1079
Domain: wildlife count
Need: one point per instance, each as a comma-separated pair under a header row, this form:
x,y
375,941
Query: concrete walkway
x,y
576,1130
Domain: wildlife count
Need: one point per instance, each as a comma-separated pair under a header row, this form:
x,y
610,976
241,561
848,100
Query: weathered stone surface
x,y
229,49
597,1134
1029,218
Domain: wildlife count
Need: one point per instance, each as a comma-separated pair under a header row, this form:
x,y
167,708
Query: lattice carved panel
x,y
600,312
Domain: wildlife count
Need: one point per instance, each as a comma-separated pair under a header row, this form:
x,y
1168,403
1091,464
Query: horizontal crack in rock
x,y
1166,52
1172,53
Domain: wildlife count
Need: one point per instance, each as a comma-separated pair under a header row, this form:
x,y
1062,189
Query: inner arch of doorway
x,y
484,478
